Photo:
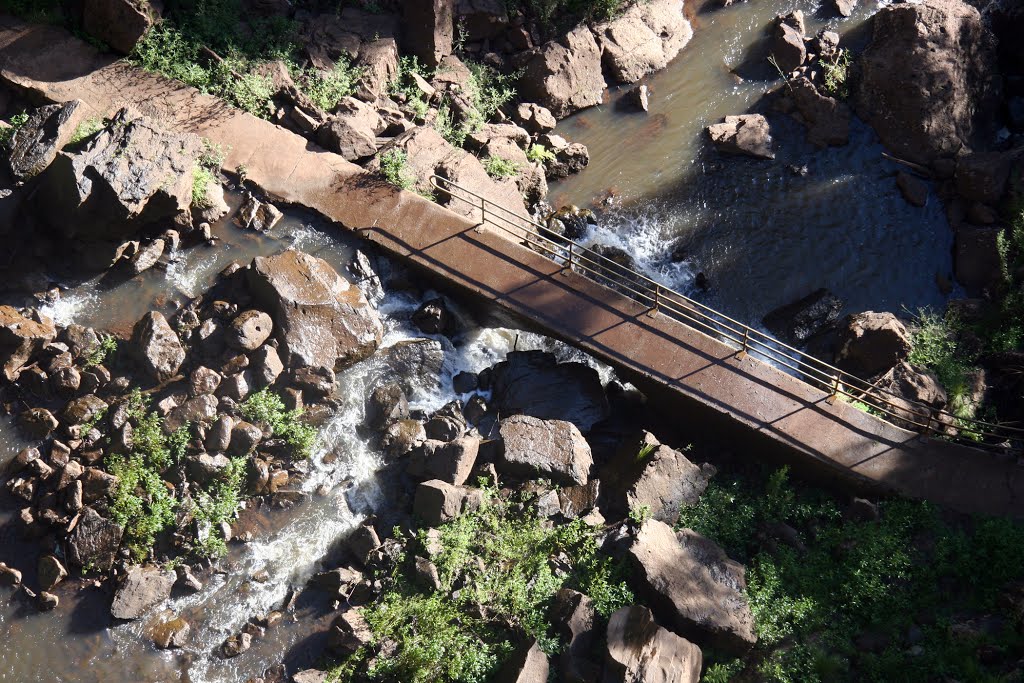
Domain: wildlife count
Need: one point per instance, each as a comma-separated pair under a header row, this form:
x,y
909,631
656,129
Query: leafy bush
x,y
394,166
218,504
498,167
403,84
487,90
85,130
555,13
201,179
854,577
836,71
327,88
141,504
540,153
934,346
106,349
267,407
7,134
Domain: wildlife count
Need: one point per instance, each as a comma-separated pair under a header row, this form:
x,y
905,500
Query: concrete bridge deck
x,y
683,369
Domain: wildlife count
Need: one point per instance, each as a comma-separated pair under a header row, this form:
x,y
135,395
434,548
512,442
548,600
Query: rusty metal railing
x,y
661,300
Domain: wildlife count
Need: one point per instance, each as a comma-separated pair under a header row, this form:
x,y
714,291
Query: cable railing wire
x,y
838,383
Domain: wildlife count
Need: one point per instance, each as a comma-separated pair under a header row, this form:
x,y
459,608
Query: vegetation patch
x,y
846,599
85,130
497,167
394,166
499,569
7,133
540,153
266,407
837,72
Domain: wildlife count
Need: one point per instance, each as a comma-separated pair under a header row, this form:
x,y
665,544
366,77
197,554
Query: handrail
x,y
660,299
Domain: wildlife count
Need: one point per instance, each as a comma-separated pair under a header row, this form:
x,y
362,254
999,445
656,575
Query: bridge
x,y
718,374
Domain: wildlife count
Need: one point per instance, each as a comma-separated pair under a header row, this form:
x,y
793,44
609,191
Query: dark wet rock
x,y
928,79
641,651
385,405
482,19
433,317
203,381
186,580
146,257
317,382
22,336
249,330
663,480
9,576
35,144
141,589
23,459
982,177
565,75
401,437
130,175
553,449
51,572
156,346
437,502
345,136
236,645
257,215
47,601
82,410
205,468
637,99
337,578
534,383
363,541
528,664
320,319
643,39
97,484
81,341
571,221
37,423
172,633
827,119
573,617
799,321
913,189
577,501
843,8
976,259
695,588
871,343
464,382
446,424
435,28
414,363
201,409
747,134
786,45
118,23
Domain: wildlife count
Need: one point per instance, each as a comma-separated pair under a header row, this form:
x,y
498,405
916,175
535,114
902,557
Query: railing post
x,y
746,343
569,263
483,211
835,389
657,299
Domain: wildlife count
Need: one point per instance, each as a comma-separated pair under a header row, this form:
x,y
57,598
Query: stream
x,y
762,234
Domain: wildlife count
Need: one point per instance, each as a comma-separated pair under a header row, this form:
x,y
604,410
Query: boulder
x,y
913,189
265,365
414,363
402,437
535,118
21,337
35,144
573,616
431,29
97,485
257,215
797,322
643,39
981,177
141,589
249,330
636,99
82,409
916,392
528,664
437,502
172,633
132,174
349,632
146,257
344,136
156,347
118,23
664,480
553,449
535,383
695,588
244,438
427,154
565,75
786,46
37,423
928,79
745,134
386,404
977,263
450,462
201,409
843,8
378,60
871,343
640,651
827,119
320,319
433,317
51,572
94,541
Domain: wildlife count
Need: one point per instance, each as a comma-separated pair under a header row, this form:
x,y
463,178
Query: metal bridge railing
x,y
747,340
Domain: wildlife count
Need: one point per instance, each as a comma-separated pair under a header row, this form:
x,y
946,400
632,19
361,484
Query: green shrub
x,y
403,84
497,167
267,408
540,153
7,134
934,346
327,88
106,349
141,504
85,130
217,504
836,71
850,577
394,166
201,179
555,13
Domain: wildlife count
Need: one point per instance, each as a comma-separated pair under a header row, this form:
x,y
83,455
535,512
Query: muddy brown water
x,y
763,235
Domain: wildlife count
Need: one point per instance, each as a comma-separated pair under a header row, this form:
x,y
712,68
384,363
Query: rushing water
x,y
289,546
762,234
